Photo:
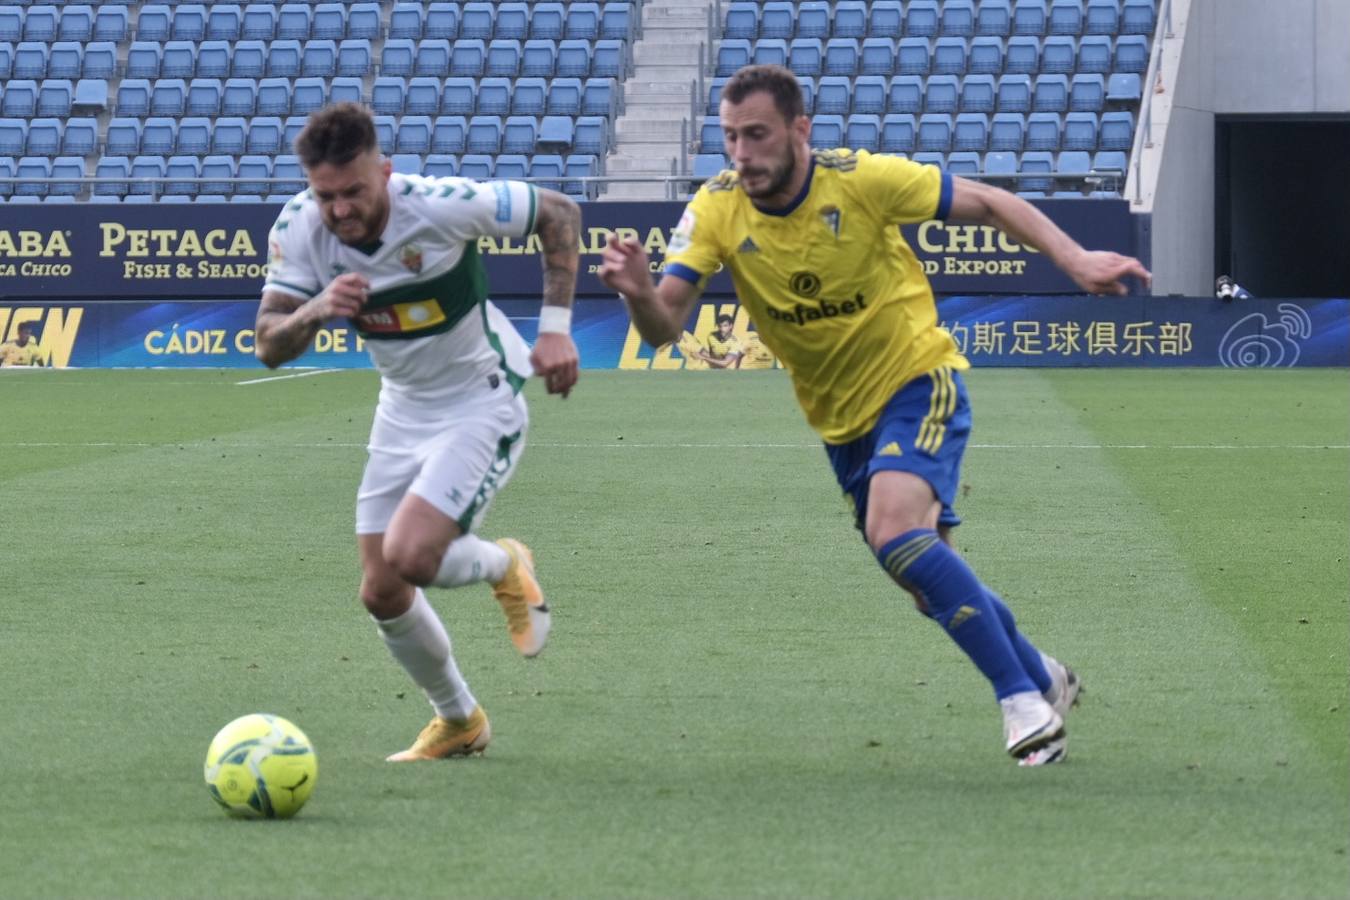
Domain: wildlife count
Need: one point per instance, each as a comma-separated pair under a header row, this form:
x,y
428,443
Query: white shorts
x,y
456,464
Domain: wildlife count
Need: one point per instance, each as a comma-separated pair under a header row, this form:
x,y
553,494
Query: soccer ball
x,y
261,766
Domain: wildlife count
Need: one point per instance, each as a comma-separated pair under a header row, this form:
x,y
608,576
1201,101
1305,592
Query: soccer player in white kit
x,y
397,255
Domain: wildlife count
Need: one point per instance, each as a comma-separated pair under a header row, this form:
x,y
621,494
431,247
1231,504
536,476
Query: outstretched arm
x,y
558,224
658,311
1095,271
286,324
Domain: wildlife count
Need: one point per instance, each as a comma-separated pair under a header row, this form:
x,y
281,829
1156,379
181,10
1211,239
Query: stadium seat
x,y
152,24
440,165
877,57
55,97
1014,94
1136,17
179,60
1117,130
1007,132
942,95
582,22
538,58
963,163
494,97
1002,164
1051,94
449,134
547,21
1029,17
609,59
221,167
1023,56
259,22
386,128
476,22
30,60
476,166
921,18
898,133
958,19
405,22
485,134
123,137
563,97
224,22
111,23
978,94
112,167
397,57
318,58
770,52
1036,166
616,21
971,132
905,95
432,58
13,136
519,134
1087,93
194,136
184,167
240,97
574,59
733,54
67,177
883,19
6,172
813,20
146,167
386,97
457,96
994,18
935,133
133,97
204,97
1066,17
249,59
869,95
805,56
547,166
862,131
841,57
274,97
555,134
214,59
293,20
264,136
929,158
1080,131
189,22
20,99
159,135
329,22
345,90
442,21
11,24
406,163
600,97
986,56
467,56
423,97
577,166
1071,166
44,137
288,166
1102,17
710,133
1043,131
1058,55
742,22
827,132
291,126
777,19
1110,160
949,56
354,57
912,56
511,166
283,59
1131,54
591,136
168,97
66,60
1123,87
414,135
1094,55
91,97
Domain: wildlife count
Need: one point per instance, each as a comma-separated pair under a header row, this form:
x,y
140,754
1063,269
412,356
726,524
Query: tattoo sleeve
x,y
282,330
559,228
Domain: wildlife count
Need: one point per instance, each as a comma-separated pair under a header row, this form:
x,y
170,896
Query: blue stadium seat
x,y
291,126
150,166
732,55
1107,160
986,56
203,97
1087,93
189,22
519,134
44,137
512,22
152,24
274,97
978,94
912,56
345,90
259,22
432,58
547,170
1007,132
169,97
1103,17
20,99
710,133
714,96
214,59
13,136
476,22
494,96
318,58
55,97
1030,17
283,59
397,57
583,22
805,56
1137,17
222,168
994,18
770,52
958,19
386,127
580,165
1071,165
555,134
440,165
133,97
1038,165
878,56
183,167
457,96
777,19
905,95
1051,94
66,60
834,96
862,131
194,136
574,59
123,137
67,177
288,166
111,23
405,22
329,23
609,59
406,163
249,60
11,24
511,167
929,158
616,21
293,22
112,167
100,61
539,58
449,134
354,57
869,94
6,171
1043,131
942,94
386,97
1066,17
591,136
600,97
1058,55
442,21
921,18
467,56
1131,54
224,22
485,134
179,60
548,22
949,56
963,163
1023,56
1094,55
883,19
827,132
1117,131
563,98
30,60
476,166
91,96
264,136
813,19
898,133
935,133
240,97
1123,87
742,22
808,88
841,57
159,135
1080,131
414,135
423,98
1000,163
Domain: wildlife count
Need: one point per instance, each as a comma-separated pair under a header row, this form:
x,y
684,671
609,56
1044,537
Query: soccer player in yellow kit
x,y
816,257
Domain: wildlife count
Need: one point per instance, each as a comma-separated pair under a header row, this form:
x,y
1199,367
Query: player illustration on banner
x,y
723,338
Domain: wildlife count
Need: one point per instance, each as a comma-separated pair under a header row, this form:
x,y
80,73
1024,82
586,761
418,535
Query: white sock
x,y
470,559
420,643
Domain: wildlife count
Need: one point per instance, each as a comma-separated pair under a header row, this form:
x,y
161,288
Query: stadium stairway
x,y
657,97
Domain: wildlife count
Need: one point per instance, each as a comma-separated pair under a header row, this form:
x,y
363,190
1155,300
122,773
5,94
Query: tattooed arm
x,y
286,324
558,224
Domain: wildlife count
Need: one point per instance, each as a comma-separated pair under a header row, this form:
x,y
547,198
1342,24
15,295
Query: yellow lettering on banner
x,y
1138,338
988,338
1027,338
1101,338
1174,338
1062,337
243,340
960,333
334,341
174,242
28,243
58,335
631,357
926,244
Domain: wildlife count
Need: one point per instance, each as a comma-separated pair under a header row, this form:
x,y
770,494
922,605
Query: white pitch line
x,y
636,445
284,377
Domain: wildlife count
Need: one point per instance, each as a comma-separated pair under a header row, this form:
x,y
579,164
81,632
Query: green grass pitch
x,y
734,702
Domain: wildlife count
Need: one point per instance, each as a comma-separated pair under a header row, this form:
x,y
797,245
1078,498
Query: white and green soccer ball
x,y
261,766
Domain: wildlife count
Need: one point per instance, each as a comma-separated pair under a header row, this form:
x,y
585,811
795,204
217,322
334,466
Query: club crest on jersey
x,y
273,253
830,215
411,257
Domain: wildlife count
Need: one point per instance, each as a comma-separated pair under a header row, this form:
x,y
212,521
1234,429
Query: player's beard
x,y
779,177
357,237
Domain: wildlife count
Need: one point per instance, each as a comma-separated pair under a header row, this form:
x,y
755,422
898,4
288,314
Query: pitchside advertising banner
x,y
111,252
1052,330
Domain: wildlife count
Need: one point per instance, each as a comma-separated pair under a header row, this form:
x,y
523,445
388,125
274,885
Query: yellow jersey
x,y
11,354
721,348
833,289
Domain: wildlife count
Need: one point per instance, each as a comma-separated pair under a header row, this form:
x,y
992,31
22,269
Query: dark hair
x,y
336,135
26,326
775,81
725,318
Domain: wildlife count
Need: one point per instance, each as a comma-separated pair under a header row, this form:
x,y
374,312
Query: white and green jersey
x,y
430,329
